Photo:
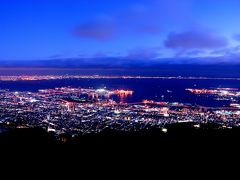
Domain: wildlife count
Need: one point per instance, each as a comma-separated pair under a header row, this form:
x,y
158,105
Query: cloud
x,y
100,31
195,53
230,51
135,20
195,40
56,56
143,53
237,37
103,31
237,49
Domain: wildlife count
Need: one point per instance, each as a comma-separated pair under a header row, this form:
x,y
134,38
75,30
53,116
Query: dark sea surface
x,y
152,89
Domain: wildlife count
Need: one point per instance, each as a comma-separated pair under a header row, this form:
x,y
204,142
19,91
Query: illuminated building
x,y
70,106
123,94
164,111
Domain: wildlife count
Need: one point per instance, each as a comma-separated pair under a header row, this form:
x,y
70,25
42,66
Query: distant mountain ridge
x,y
118,66
116,62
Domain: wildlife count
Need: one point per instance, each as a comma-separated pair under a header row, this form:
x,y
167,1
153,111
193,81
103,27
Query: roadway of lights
x,y
59,77
78,111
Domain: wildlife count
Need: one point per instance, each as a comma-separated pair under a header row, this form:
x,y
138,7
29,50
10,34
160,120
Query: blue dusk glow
x,y
128,29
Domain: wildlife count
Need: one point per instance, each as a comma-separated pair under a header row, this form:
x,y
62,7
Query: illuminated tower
x,y
71,107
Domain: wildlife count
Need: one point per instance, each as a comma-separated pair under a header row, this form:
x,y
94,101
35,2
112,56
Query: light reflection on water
x,y
152,89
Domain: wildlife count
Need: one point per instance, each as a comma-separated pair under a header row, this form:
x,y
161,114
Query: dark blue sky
x,y
130,29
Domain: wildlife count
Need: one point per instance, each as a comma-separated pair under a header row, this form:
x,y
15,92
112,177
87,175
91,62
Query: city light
x,y
73,110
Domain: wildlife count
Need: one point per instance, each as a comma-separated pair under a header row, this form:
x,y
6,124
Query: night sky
x,y
144,30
